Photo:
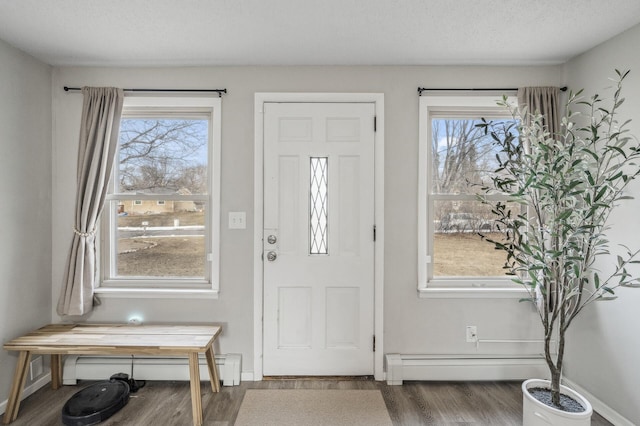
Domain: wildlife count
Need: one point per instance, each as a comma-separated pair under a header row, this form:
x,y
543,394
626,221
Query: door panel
x,y
342,316
318,238
294,308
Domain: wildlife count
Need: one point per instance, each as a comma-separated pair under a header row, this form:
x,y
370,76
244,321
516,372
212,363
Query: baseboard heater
x,y
87,367
402,367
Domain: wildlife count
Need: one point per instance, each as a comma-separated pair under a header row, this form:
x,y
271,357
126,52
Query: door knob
x,y
271,256
271,239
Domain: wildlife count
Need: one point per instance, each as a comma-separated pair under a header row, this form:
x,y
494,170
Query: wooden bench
x,y
108,339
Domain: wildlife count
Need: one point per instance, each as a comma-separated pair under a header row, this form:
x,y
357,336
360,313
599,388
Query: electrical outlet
x,y
472,333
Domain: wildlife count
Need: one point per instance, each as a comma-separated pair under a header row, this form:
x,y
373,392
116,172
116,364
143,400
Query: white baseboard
x,y
247,376
28,390
402,367
81,367
603,409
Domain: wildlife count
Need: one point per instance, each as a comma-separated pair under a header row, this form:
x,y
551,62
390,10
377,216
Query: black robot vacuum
x,y
95,403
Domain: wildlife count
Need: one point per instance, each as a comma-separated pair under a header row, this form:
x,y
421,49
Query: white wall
x,y
411,325
604,345
25,210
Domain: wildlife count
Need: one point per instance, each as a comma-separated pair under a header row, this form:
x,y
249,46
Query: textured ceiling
x,y
311,32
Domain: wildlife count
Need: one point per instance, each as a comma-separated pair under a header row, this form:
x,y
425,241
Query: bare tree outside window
x,y
462,159
163,153
161,185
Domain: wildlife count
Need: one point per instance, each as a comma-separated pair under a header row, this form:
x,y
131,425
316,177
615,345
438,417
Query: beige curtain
x,y
544,101
101,111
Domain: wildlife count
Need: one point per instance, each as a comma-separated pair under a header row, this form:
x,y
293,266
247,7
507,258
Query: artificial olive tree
x,y
564,187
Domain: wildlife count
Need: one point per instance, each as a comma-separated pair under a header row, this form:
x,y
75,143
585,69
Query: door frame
x,y
258,220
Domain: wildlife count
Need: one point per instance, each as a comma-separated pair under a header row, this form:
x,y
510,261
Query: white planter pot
x,y
536,413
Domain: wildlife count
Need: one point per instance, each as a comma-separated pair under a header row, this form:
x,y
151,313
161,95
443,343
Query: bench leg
x,y
19,377
196,399
56,372
213,370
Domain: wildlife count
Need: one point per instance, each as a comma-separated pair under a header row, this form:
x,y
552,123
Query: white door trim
x,y
258,201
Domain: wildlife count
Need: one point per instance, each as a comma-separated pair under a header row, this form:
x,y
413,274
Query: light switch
x,y
237,220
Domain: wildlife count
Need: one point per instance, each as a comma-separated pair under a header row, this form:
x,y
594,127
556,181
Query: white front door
x,y
318,239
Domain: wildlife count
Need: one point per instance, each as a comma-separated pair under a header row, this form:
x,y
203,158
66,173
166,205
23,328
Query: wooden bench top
x,y
116,339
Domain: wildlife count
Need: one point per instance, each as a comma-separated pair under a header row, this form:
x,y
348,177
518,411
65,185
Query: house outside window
x,y
456,160
160,226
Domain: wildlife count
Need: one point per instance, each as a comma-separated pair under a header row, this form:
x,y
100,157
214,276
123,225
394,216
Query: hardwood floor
x,y
414,403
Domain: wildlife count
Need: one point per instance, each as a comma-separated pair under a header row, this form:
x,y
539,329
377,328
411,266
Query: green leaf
x,y
606,298
616,176
590,178
600,194
565,214
591,153
619,150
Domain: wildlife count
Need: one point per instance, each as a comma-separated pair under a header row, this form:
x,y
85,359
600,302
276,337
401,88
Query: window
x,y
456,160
318,206
160,226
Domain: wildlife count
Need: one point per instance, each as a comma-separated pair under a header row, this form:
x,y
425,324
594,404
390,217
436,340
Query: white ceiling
x,y
311,32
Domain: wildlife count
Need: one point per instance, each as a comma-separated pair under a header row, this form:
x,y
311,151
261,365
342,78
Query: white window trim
x,y
454,287
209,289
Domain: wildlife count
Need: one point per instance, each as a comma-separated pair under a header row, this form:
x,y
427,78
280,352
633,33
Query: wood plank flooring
x,y
414,403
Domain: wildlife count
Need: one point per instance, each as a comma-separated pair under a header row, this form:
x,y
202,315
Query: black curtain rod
x,y
502,89
218,91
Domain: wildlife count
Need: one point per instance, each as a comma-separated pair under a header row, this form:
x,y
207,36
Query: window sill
x,y
155,293
472,293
